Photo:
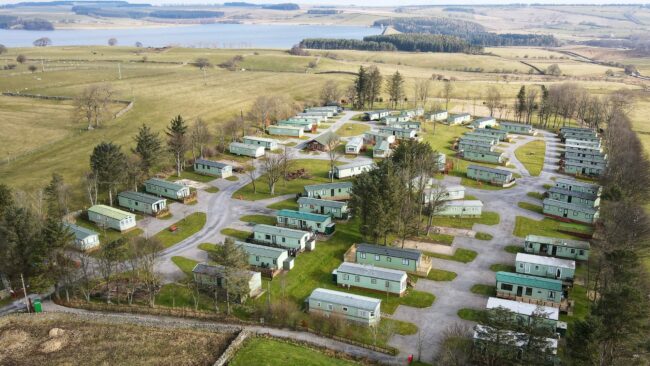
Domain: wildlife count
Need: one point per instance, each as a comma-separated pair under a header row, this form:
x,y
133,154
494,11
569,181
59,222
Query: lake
x,y
205,35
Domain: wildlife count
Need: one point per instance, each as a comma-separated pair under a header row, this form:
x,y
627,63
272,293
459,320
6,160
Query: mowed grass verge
x,y
532,156
185,228
487,218
545,227
275,352
352,129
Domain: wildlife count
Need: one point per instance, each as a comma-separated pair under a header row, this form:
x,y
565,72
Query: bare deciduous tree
x,y
447,89
203,64
200,136
331,143
273,166
492,99
330,93
92,105
421,89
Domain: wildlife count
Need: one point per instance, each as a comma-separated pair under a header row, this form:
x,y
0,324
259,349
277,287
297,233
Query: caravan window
x,y
506,287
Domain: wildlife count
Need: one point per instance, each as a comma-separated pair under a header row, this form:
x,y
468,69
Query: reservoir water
x,y
205,35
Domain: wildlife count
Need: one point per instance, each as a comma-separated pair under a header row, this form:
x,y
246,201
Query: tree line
x,y
395,42
471,32
12,22
129,12
345,44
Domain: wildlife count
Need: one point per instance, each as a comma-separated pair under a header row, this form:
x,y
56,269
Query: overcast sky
x,y
373,2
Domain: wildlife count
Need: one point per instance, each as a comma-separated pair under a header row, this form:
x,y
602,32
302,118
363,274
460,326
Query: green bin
x,y
38,307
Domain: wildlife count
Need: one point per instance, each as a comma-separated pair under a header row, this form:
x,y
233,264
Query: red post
x,y
410,359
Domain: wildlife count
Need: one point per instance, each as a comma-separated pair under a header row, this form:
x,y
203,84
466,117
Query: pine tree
x,y
108,163
520,104
374,85
177,141
360,87
395,88
148,146
56,197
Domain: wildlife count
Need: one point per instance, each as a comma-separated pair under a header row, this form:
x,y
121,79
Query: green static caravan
x,y
269,144
575,197
320,111
513,346
352,169
525,314
354,145
414,125
409,260
209,276
333,109
555,247
306,221
570,211
579,129
578,186
84,239
306,126
322,115
213,168
317,118
530,289
462,208
253,151
517,128
445,193
501,135
457,119
542,266
473,136
360,309
584,167
285,131
109,217
336,209
375,137
284,237
580,135
370,277
493,157
381,150
577,149
584,142
438,116
491,175
167,189
336,191
484,122
591,155
266,257
472,145
314,120
376,115
399,133
391,120
142,202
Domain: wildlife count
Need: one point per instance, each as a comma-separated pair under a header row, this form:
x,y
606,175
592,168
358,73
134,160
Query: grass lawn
x,y
233,178
536,195
179,295
461,255
185,264
289,204
212,189
191,175
514,249
531,207
485,290
259,219
275,352
471,314
436,238
502,267
237,234
483,236
546,227
186,227
532,156
487,218
317,170
352,129
441,275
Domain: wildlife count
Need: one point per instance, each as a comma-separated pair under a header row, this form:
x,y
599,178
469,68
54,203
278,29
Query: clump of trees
x,y
42,42
345,44
92,105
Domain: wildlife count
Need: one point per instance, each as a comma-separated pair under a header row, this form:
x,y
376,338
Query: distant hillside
x,y
12,22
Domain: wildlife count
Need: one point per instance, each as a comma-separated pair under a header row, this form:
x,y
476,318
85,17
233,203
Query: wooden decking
x,y
564,306
351,254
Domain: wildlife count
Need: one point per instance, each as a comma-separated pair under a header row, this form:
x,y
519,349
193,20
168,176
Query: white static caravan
x,y
352,169
254,151
269,144
354,145
468,208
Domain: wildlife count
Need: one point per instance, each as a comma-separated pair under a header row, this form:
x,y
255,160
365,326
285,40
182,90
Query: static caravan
x,y
381,150
438,116
457,119
328,191
584,142
375,137
441,162
591,155
490,175
212,276
570,212
399,133
213,168
317,110
578,167
167,189
543,266
473,145
85,239
265,256
352,169
591,150
269,144
306,221
579,135
501,135
517,128
337,209
328,108
142,202
524,314
484,122
392,120
354,145
461,208
583,129
556,247
283,237
414,125
109,217
360,309
578,186
307,126
285,131
493,140
314,120
417,112
376,115
404,259
446,193
530,289
493,157
254,151
313,116
383,280
575,197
